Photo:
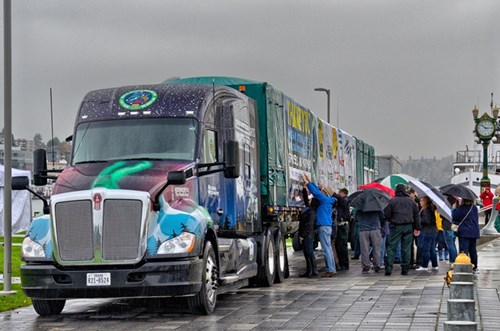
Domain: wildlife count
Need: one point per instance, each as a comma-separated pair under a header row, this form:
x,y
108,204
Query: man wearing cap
x,y
323,223
404,220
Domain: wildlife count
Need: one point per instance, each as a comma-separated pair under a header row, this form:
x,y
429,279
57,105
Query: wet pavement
x,y
349,301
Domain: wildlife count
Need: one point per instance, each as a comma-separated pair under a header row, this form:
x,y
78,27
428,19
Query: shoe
x,y
377,269
422,269
435,268
404,273
387,273
414,267
355,258
305,275
314,275
328,274
365,271
475,271
440,259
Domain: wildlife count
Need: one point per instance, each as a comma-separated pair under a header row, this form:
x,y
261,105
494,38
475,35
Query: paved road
x,y
350,301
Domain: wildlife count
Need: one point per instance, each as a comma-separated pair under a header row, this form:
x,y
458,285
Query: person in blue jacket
x,y
467,219
323,224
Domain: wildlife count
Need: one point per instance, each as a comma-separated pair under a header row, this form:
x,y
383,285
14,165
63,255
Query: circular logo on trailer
x,y
138,99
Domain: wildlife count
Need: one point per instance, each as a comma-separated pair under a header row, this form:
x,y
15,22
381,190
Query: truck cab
x,y
161,198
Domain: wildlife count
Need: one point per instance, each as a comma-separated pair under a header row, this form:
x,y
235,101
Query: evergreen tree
x,y
38,141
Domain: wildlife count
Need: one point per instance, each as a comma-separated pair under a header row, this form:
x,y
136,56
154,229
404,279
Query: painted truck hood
x,y
129,175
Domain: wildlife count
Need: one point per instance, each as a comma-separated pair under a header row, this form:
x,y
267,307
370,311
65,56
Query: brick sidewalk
x,y
350,301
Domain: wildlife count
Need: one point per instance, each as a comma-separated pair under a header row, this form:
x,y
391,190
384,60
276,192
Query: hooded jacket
x,y
402,210
325,208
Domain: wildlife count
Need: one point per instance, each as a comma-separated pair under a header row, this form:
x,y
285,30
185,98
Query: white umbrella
x,y
437,198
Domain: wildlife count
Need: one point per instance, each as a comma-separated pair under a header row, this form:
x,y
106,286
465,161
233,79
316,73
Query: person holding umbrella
x,y
467,218
369,205
370,236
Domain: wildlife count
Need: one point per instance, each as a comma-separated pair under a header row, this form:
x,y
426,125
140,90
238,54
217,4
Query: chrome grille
x,y
73,222
121,229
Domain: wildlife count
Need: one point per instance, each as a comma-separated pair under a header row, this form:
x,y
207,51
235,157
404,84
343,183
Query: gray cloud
x,y
404,75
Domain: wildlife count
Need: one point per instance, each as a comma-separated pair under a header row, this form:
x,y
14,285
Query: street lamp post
x,y
485,130
327,91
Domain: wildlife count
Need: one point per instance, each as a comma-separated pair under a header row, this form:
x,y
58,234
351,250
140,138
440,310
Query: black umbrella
x,y
459,191
369,200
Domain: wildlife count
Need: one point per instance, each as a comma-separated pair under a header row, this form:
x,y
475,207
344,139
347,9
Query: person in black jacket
x,y
343,218
404,219
307,221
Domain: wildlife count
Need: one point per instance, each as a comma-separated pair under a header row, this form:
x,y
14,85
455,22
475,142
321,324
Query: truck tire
x,y
203,303
280,260
48,307
297,246
266,264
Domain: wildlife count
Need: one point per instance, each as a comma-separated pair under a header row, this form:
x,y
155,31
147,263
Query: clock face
x,y
485,128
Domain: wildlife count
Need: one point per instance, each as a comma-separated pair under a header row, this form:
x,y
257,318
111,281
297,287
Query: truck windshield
x,y
155,138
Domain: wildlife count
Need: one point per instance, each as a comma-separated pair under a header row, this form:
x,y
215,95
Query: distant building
x,y
387,165
21,159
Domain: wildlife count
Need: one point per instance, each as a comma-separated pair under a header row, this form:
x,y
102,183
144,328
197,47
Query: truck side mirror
x,y
20,183
176,177
40,167
69,138
231,159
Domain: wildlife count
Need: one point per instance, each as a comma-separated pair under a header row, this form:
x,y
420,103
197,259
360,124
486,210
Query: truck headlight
x,y
183,243
32,249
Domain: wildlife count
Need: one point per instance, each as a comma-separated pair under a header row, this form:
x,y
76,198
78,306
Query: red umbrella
x,y
378,186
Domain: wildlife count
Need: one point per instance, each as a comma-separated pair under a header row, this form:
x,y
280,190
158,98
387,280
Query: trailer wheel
x,y
281,258
48,307
297,246
203,303
266,264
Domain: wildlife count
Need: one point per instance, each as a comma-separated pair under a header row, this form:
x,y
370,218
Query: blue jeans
x,y
449,239
324,233
427,243
468,246
382,249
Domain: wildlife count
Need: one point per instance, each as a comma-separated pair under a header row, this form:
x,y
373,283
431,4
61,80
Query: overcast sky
x,y
404,75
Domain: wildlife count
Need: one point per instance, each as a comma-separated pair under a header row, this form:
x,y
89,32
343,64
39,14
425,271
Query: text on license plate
x,y
99,279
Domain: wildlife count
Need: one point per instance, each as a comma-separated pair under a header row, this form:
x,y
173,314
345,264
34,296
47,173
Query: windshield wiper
x,y
92,161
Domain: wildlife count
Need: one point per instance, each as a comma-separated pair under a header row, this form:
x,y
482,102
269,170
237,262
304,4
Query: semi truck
x,y
187,188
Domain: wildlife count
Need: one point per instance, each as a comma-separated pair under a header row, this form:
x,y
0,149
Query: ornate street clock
x,y
485,128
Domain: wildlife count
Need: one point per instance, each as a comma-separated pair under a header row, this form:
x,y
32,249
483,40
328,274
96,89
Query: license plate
x,y
99,279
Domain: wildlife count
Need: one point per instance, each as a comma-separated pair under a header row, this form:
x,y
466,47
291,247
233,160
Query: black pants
x,y
341,246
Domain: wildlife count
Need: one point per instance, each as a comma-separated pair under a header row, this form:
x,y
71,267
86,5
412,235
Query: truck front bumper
x,y
153,279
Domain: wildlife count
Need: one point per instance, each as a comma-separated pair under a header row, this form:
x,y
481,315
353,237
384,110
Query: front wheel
x,y
48,307
203,303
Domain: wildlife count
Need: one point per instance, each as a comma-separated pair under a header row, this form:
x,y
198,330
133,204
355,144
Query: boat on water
x,y
468,167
